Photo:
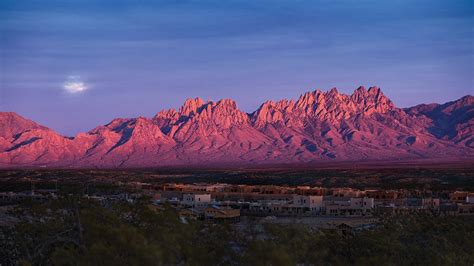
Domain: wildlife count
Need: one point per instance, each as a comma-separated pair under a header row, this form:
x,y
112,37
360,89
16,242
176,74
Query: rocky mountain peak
x,y
223,113
307,99
11,124
227,104
332,92
371,101
167,114
269,112
191,106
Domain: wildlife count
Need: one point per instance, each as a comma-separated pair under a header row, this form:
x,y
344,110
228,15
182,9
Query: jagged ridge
x,y
319,126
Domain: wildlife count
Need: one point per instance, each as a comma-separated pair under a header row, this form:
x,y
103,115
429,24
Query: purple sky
x,y
73,65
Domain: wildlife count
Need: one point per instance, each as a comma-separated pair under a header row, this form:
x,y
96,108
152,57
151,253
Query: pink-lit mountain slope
x,y
318,127
452,121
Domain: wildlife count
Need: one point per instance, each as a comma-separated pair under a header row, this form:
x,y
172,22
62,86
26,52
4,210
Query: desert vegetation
x,y
422,177
75,231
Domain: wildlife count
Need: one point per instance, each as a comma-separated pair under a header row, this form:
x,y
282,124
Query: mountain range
x,y
318,127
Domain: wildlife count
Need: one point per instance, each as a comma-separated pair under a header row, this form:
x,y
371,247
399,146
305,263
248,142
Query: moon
x,y
74,85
